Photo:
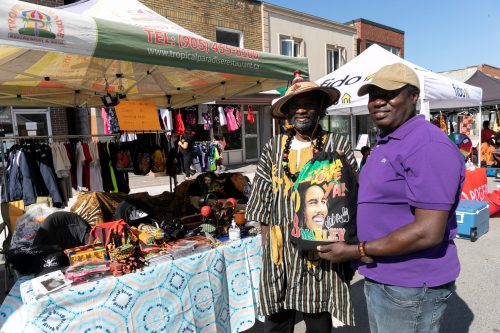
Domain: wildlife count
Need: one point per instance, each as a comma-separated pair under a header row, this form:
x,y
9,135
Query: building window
x,y
290,47
392,49
332,59
229,37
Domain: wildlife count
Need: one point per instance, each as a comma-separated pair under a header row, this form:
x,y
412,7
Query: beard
x,y
304,124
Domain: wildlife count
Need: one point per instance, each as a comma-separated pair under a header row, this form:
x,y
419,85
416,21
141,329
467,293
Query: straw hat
x,y
302,88
391,77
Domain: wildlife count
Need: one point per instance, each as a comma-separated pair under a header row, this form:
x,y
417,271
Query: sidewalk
x,y
156,185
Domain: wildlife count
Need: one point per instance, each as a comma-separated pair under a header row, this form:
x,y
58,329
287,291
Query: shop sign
x,y
138,116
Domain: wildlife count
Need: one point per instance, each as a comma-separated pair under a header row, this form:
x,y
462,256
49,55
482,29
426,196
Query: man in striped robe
x,y
292,280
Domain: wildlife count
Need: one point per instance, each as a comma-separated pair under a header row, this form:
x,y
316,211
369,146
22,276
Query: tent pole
x,y
353,130
479,125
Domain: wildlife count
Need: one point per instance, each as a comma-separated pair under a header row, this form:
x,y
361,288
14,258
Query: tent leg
x,y
353,130
479,125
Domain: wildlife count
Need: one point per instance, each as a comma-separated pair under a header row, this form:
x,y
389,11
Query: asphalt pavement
x,y
474,308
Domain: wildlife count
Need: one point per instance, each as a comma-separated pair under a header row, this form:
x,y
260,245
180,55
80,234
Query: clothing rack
x,y
67,136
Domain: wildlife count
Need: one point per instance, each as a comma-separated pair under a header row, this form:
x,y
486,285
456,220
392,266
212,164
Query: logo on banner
x,y
35,26
460,92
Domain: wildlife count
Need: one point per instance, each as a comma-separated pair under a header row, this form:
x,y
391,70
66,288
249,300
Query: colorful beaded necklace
x,y
317,147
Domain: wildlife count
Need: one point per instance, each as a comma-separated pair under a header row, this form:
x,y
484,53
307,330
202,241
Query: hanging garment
x,y
166,117
113,125
222,116
231,120
179,124
62,168
239,118
123,157
207,121
191,116
465,125
442,124
71,151
80,158
250,116
158,160
105,120
107,183
86,165
201,110
95,169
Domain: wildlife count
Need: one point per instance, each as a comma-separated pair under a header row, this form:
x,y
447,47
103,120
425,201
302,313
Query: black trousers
x,y
284,322
187,160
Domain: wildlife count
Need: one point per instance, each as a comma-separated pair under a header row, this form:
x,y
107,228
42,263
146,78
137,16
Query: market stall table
x,y
214,291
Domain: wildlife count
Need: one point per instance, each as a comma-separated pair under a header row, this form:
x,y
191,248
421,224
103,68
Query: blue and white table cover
x,y
214,291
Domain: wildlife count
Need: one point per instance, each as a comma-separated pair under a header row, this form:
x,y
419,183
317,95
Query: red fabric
x,y
250,116
487,134
475,185
494,201
86,164
179,124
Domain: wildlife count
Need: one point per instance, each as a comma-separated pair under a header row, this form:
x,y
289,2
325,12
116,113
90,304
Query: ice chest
x,y
473,219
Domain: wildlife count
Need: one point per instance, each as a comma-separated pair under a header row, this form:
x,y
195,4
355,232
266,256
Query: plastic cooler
x,y
473,219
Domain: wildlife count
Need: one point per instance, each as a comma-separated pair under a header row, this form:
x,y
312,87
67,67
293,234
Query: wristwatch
x,y
364,257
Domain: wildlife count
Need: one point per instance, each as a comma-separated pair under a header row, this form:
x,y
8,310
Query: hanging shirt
x,y
105,120
222,116
95,169
231,120
166,117
207,121
80,158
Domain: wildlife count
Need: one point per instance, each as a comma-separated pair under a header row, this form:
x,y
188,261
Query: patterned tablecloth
x,y
214,291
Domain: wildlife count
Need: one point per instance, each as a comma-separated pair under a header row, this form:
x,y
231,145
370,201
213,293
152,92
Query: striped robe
x,y
291,285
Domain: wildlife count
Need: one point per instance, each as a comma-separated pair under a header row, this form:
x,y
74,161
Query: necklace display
x,y
317,147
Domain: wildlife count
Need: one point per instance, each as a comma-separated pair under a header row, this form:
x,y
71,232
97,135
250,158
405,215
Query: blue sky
x,y
440,35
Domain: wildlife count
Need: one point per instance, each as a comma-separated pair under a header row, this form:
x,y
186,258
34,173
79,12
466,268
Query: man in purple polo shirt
x,y
409,189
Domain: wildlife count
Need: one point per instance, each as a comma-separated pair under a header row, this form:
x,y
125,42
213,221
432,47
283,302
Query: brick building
x,y
216,19
371,32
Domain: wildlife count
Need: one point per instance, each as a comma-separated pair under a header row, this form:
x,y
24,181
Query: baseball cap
x,y
391,77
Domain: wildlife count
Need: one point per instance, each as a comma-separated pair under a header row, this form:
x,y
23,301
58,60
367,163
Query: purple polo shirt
x,y
416,166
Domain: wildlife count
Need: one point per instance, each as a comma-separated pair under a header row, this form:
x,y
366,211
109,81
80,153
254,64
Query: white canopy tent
x,y
436,91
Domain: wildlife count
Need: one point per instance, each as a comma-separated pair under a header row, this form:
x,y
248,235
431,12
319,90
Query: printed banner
x,y
475,185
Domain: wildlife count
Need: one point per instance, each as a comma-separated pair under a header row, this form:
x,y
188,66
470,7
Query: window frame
x,y
233,31
335,50
296,46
